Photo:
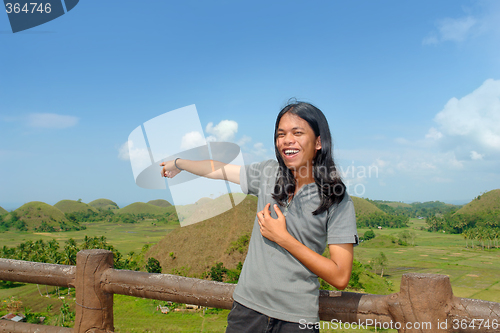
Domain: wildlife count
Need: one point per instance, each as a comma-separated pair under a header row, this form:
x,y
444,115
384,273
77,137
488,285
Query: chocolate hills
x,y
160,203
197,247
72,206
364,207
488,202
103,204
144,208
43,217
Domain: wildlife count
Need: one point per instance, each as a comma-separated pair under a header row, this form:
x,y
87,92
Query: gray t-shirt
x,y
272,281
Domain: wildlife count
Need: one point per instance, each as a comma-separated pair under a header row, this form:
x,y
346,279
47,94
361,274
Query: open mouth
x,y
290,152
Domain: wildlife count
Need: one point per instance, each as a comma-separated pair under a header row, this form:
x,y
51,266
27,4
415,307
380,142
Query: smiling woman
x,y
278,286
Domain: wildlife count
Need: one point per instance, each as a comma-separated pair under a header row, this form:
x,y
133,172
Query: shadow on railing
x,y
425,302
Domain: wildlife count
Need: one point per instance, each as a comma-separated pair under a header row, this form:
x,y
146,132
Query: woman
x,y
302,206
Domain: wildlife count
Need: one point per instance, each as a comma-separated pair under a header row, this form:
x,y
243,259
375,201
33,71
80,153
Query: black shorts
x,y
245,320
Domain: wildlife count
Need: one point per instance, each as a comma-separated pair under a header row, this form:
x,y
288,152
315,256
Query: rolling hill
x,y
71,206
199,246
363,207
35,213
104,204
189,214
3,211
160,203
487,202
143,208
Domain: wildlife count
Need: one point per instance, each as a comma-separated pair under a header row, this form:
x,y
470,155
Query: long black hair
x,y
330,185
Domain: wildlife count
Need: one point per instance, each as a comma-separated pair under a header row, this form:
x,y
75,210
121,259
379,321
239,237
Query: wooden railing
x,y
425,302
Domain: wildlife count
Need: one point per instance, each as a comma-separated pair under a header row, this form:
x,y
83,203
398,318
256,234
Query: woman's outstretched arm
x,y
206,168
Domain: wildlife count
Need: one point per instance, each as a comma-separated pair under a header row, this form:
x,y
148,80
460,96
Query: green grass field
x,y
474,273
125,237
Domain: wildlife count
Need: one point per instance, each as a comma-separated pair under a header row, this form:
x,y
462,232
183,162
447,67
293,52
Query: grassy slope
x,y
474,274
141,208
3,211
103,204
35,212
71,206
199,246
160,203
363,206
207,207
490,201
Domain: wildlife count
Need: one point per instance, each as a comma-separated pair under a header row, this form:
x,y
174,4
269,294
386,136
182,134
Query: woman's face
x,y
297,143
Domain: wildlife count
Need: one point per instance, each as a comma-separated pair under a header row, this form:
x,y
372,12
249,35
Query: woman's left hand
x,y
271,228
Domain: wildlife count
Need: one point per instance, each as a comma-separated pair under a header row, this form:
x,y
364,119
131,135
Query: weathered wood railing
x,y
425,302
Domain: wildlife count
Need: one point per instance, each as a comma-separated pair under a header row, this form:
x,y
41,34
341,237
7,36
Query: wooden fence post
x,y
94,307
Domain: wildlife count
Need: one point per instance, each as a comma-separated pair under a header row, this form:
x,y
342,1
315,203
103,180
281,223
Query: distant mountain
x,y
144,208
104,204
364,207
160,203
199,246
3,211
72,206
484,203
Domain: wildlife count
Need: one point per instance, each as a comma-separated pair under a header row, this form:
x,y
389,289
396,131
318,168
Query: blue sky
x,y
410,89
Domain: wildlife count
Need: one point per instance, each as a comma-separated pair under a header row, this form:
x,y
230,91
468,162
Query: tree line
x,y
416,209
481,227
378,219
51,252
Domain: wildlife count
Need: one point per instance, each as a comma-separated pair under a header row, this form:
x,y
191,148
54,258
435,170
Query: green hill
x,y
3,211
160,203
364,207
142,208
198,211
43,217
197,247
104,204
395,204
485,203
71,206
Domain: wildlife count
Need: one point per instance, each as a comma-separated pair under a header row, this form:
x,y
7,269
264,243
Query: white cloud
x,y
128,151
223,131
123,153
474,155
401,141
473,121
258,149
51,120
139,157
455,30
433,134
192,140
244,140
